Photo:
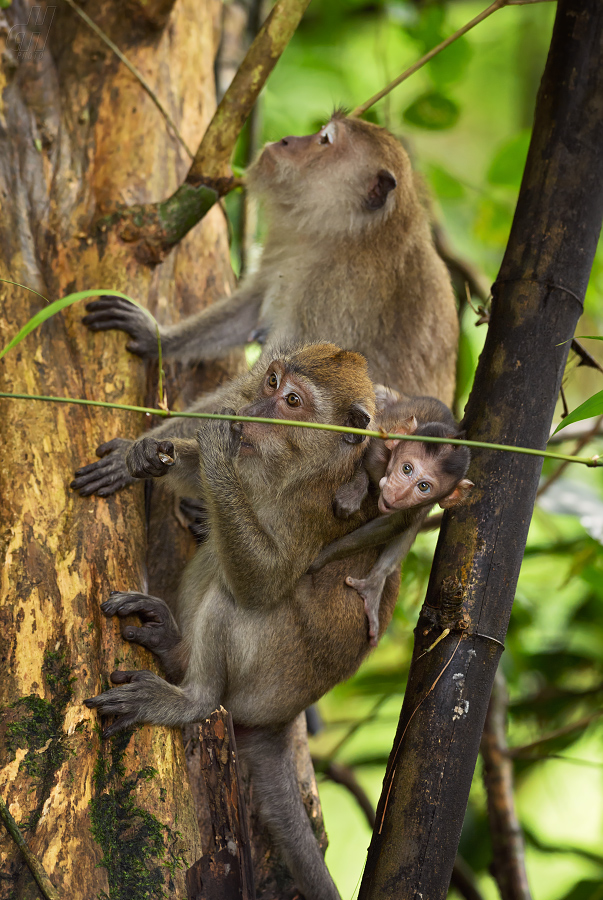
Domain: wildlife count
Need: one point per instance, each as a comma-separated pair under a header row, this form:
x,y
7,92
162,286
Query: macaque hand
x,y
370,590
159,633
110,312
219,437
149,458
109,474
134,701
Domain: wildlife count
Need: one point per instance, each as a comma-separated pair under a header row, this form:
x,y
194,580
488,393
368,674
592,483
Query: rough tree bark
x,y
537,302
81,141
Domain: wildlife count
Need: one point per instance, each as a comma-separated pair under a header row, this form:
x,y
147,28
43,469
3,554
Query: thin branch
x,y
135,72
590,461
520,752
586,359
211,164
508,851
498,4
34,865
580,445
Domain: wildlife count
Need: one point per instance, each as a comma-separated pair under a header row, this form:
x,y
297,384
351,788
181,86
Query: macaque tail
x,y
269,756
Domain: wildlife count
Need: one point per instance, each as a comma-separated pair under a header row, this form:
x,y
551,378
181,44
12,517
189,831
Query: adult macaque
x,y
252,631
412,478
348,258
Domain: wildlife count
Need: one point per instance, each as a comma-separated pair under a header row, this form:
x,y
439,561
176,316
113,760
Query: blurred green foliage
x,y
465,119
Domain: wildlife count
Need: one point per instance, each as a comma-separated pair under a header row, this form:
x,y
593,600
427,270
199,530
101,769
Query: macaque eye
x,y
424,486
293,400
407,469
273,380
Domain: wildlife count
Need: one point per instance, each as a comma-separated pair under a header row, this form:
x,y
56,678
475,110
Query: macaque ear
x,y
379,188
357,418
458,495
385,396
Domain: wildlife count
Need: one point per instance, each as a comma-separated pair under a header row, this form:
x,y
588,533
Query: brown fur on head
x,y
353,173
317,383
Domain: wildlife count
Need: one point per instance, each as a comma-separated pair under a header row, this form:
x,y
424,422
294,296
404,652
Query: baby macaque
x,y
412,478
252,631
348,258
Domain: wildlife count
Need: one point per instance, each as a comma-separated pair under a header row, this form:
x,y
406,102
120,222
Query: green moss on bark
x,y
138,849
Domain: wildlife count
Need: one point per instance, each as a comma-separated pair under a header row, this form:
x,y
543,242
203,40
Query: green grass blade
x,y
58,305
591,407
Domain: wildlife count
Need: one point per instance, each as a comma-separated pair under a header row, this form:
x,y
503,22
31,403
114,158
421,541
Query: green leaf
x,y
450,65
58,305
444,184
591,407
433,111
506,169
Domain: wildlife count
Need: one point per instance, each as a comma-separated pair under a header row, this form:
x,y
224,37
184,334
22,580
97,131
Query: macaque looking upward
x,y
348,258
412,477
252,631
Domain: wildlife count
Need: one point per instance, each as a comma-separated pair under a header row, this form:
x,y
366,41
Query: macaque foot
x,y
110,312
370,591
135,701
109,474
148,458
159,633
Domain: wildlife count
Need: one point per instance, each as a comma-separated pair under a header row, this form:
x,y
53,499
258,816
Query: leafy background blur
x,y
465,119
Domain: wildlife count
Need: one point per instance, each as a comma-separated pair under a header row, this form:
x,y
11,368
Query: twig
x,y
585,357
211,164
344,775
590,461
498,4
508,852
34,865
581,443
519,752
135,72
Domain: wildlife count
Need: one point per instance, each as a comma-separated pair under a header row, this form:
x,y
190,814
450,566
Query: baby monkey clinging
x,y
412,477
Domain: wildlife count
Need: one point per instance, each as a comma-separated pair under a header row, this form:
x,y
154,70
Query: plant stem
x,y
590,461
34,865
498,4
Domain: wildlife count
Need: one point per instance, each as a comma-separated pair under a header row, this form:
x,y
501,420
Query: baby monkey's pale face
x,y
415,478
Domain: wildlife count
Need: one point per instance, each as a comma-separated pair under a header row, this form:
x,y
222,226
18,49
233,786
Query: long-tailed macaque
x,y
412,477
348,258
252,631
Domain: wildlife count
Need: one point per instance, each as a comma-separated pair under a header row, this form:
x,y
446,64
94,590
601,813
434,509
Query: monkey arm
x,y
372,534
209,334
257,567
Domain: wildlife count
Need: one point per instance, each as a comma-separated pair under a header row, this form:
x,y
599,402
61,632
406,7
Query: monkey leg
x,y
390,560
109,474
145,697
159,633
269,756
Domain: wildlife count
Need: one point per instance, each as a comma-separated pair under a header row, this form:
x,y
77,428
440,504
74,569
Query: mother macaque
x,y
348,258
252,631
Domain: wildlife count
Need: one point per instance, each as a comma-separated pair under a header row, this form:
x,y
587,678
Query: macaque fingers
x,y
115,312
150,458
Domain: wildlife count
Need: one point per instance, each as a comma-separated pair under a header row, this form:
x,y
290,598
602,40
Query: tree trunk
x,y
537,302
80,137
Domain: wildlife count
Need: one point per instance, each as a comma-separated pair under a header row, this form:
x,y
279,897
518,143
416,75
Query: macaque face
x,y
414,478
282,395
334,180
